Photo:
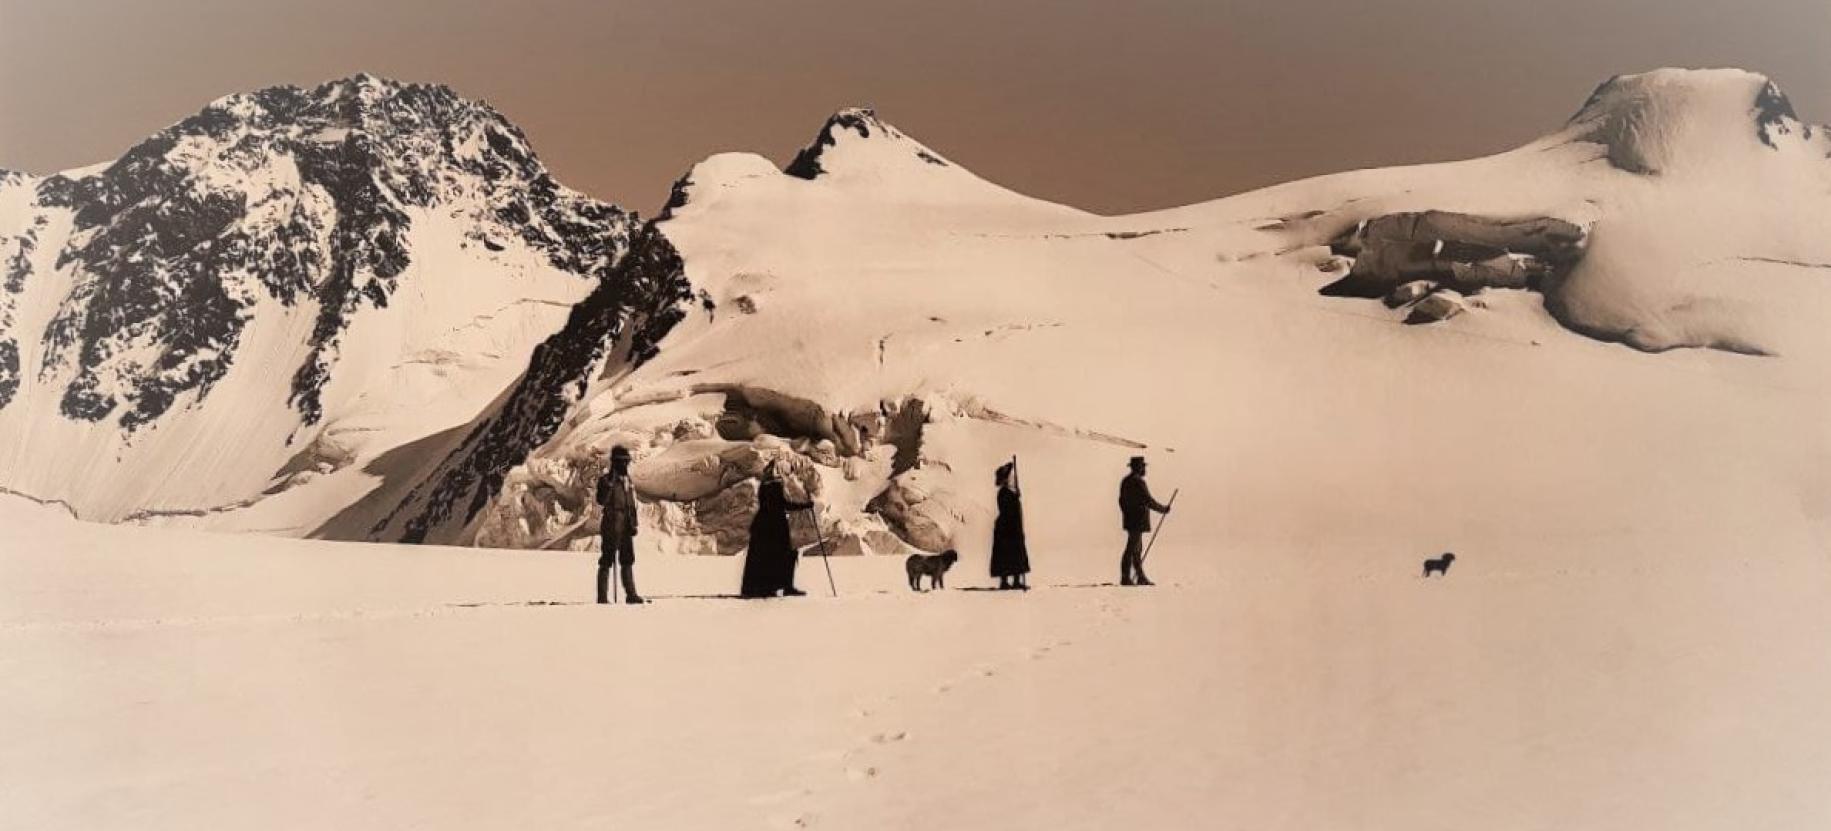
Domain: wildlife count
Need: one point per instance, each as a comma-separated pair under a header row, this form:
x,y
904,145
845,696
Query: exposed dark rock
x,y
291,194
1469,253
806,164
810,161
9,370
677,198
1774,115
903,428
619,324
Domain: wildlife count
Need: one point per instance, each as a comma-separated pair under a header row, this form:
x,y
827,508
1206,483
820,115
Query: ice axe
x,y
815,518
1160,524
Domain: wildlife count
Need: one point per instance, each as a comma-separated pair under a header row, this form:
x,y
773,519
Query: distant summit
x,y
855,123
1665,120
314,272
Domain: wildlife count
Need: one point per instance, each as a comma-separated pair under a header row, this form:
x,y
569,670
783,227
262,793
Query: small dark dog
x,y
1440,565
935,566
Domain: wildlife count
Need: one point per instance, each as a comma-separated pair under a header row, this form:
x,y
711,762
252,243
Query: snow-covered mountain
x,y
893,327
285,286
1594,367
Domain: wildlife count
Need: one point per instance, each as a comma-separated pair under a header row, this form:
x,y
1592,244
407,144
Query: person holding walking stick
x,y
1010,555
1135,507
617,528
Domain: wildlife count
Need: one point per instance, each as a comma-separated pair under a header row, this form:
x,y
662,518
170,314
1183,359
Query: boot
x,y
629,583
603,584
791,591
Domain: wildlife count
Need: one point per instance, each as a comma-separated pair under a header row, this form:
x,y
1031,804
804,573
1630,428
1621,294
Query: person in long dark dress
x,y
1010,555
769,565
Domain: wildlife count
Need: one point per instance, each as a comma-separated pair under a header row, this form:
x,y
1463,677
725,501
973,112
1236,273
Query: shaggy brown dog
x,y
934,566
1440,565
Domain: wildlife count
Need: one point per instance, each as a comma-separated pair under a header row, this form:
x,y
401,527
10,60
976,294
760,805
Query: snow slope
x,y
161,678
1631,636
894,329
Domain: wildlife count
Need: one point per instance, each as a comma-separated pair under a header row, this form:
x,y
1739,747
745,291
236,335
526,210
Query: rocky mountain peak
x,y
855,124
290,195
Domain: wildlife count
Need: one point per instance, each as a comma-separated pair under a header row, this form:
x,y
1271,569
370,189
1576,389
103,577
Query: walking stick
x,y
1160,524
831,586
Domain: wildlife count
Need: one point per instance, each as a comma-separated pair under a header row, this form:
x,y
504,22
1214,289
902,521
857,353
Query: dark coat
x,y
619,507
1010,555
769,566
1136,504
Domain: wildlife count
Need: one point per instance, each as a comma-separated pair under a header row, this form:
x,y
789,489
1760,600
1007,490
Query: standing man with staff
x,y
617,529
1135,507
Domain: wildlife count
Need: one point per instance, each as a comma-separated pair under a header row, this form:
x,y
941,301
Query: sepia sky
x,y
1109,106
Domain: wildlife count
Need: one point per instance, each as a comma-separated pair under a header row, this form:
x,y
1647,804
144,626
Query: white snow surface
x,y
161,678
1631,636
1195,336
459,331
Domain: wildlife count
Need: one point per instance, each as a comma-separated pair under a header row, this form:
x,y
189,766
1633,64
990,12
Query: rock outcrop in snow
x,y
1711,172
1467,253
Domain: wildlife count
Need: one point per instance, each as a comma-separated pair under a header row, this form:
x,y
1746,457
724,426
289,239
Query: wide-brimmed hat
x,y
619,454
1136,462
1004,472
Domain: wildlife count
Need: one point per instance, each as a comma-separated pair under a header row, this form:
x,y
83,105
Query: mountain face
x,y
299,196
612,330
888,329
286,264
365,311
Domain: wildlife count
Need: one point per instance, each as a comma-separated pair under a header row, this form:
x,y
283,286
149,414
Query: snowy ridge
x,y
858,157
891,326
891,334
324,273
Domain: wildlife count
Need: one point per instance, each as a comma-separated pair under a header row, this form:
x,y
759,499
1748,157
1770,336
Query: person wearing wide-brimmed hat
x,y
1135,507
618,527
